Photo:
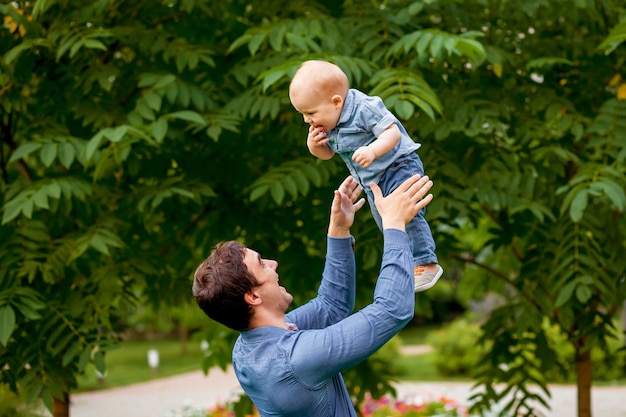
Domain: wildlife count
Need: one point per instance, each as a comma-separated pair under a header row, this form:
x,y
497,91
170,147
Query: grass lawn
x,y
416,335
128,364
422,368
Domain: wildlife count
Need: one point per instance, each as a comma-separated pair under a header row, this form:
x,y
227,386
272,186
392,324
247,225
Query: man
x,y
290,364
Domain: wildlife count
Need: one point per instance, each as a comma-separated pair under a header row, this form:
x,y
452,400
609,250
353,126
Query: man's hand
x,y
343,207
399,207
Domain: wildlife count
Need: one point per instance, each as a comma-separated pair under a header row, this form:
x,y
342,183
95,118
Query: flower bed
x,y
424,405
414,406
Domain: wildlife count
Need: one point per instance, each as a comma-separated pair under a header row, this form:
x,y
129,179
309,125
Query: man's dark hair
x,y
220,283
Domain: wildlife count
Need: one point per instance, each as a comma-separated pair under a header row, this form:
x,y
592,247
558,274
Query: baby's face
x,y
317,109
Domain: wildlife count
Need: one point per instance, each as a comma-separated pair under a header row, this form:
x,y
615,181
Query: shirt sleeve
x,y
376,118
317,355
336,294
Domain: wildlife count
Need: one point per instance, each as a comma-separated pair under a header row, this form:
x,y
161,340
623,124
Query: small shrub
x,y
12,405
457,352
456,348
606,366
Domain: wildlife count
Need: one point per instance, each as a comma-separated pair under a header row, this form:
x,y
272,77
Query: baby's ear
x,y
337,100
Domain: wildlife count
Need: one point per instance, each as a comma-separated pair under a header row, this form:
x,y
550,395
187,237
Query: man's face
x,y
317,109
272,294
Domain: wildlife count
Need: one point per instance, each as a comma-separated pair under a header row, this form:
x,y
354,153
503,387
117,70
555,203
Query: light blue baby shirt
x,y
362,120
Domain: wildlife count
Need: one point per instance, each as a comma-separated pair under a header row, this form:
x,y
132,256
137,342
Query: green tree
x,y
135,135
529,141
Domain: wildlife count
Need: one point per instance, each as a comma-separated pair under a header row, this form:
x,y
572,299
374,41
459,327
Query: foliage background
x,y
137,134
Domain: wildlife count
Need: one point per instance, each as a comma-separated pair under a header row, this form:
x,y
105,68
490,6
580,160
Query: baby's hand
x,y
364,156
317,137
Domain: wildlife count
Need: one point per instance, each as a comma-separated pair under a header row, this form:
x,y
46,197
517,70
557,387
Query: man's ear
x,y
252,298
337,100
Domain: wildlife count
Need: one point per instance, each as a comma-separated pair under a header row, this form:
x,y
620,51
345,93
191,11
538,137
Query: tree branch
x,y
187,229
472,260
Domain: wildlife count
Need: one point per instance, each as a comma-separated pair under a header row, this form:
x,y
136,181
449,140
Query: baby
x,y
370,140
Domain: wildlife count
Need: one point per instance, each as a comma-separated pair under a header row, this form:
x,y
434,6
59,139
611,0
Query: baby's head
x,y
318,90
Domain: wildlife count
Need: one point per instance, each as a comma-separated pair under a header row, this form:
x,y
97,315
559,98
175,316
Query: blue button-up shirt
x,y
362,120
297,373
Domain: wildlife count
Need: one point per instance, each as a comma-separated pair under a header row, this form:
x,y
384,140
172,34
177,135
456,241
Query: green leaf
x,y
190,116
27,312
159,129
615,193
290,186
66,43
257,192
436,46
27,208
76,47
277,36
153,100
415,8
67,153
145,111
583,293
214,132
41,6
615,38
301,181
7,323
271,78
565,294
62,343
54,190
547,62
404,109
84,358
116,134
312,174
164,81
14,53
93,144
278,192
71,353
579,204
40,198
12,209
255,43
97,242
95,44
24,150
99,362
49,153
181,61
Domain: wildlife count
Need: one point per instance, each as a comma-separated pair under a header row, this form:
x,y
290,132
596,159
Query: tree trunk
x,y
624,325
61,408
583,379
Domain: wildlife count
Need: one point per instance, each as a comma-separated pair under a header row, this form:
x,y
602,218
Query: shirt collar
x,y
348,107
265,331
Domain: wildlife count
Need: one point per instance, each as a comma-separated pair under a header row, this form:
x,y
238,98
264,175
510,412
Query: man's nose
x,y
307,119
